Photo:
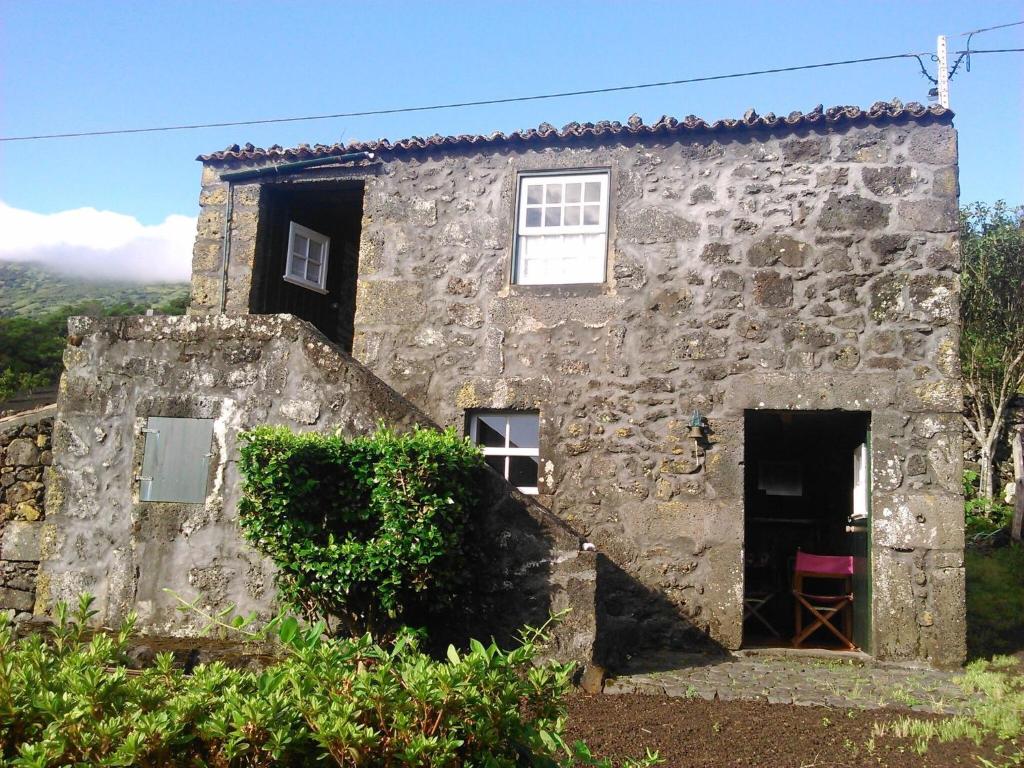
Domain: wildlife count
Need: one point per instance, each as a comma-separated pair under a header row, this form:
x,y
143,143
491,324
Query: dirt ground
x,y
694,733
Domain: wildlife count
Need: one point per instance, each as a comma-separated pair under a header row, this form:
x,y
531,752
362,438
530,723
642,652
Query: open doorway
x,y
307,256
807,489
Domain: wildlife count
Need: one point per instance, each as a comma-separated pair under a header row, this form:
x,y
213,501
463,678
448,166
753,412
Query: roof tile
x,y
880,111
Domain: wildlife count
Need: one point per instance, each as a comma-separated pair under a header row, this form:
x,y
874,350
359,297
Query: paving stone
x,y
616,685
804,682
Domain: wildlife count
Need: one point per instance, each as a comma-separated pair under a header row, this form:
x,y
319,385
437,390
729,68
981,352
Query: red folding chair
x,y
824,609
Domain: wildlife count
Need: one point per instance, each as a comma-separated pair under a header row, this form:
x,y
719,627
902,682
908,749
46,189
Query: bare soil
x,y
694,733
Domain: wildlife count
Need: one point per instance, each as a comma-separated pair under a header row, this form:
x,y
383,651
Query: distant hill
x,y
32,290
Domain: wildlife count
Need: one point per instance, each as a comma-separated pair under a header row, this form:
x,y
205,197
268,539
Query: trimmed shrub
x,y
361,530
65,701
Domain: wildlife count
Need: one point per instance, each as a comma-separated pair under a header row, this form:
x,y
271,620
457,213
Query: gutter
x,y
281,169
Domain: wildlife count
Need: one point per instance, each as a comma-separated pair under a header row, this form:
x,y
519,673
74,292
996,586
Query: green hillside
x,y
32,290
35,304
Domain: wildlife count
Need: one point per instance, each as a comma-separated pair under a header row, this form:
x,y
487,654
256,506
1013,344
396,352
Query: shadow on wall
x,y
636,625
523,565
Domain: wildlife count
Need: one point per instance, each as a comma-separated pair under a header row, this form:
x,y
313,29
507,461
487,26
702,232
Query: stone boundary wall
x,y
25,457
243,371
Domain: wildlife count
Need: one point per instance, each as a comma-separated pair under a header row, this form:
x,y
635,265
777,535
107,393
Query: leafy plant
x,y
362,530
983,515
68,701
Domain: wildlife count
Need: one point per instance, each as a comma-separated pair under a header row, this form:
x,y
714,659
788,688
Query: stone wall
x,y
243,371
24,457
808,268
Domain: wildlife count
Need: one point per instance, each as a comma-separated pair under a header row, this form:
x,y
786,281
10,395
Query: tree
x,y
32,348
992,309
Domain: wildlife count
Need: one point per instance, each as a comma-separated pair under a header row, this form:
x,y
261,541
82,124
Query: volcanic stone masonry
x,y
24,457
801,265
243,371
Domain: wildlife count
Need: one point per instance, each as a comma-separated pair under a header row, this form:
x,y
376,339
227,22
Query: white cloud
x,y
86,242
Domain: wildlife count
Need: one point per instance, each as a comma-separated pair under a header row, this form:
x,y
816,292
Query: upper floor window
x,y
562,229
510,441
307,258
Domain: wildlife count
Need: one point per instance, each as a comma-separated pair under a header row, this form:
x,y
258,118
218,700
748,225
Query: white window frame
x,y
525,231
506,451
294,228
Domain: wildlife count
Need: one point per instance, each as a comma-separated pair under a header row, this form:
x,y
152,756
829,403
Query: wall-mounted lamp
x,y
696,433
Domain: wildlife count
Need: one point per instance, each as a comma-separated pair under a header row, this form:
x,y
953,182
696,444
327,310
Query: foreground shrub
x,y
68,701
360,530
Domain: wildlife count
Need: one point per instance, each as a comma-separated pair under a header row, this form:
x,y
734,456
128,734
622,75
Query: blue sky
x,y
92,66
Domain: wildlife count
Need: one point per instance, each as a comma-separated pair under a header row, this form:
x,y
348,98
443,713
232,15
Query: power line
x,y
989,29
517,99
991,50
965,56
461,104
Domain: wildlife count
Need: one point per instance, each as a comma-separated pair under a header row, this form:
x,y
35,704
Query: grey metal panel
x,y
176,460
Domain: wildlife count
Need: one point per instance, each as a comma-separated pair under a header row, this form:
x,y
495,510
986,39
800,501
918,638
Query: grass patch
x,y
998,712
995,601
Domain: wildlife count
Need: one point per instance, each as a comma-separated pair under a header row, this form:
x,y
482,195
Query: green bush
x,y
68,701
982,516
361,530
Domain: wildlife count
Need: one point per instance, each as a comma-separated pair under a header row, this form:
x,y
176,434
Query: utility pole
x,y
943,71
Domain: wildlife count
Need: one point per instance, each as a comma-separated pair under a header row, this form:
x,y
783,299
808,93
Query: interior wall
x,y
334,212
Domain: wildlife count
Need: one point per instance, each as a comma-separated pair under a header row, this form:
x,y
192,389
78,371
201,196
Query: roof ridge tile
x,y
877,112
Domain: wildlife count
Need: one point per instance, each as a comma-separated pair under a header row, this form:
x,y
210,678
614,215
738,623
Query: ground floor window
x,y
510,441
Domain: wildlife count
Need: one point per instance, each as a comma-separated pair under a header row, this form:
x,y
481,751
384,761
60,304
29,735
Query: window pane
x,y
533,217
554,193
315,249
298,266
572,192
591,214
572,215
300,245
490,430
593,192
524,429
523,471
312,272
534,193
552,217
497,463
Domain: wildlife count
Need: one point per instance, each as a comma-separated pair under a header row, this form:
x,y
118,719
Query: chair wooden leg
x,y
798,622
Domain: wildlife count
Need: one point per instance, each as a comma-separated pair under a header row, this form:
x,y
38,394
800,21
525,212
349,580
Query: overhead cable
x,y
461,104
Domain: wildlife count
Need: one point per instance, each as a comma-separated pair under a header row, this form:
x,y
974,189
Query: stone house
x,y
698,346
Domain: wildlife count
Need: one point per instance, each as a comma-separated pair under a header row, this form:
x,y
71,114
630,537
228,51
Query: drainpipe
x,y
225,248
280,169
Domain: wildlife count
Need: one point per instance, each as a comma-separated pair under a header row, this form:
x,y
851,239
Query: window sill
x,y
303,284
560,290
